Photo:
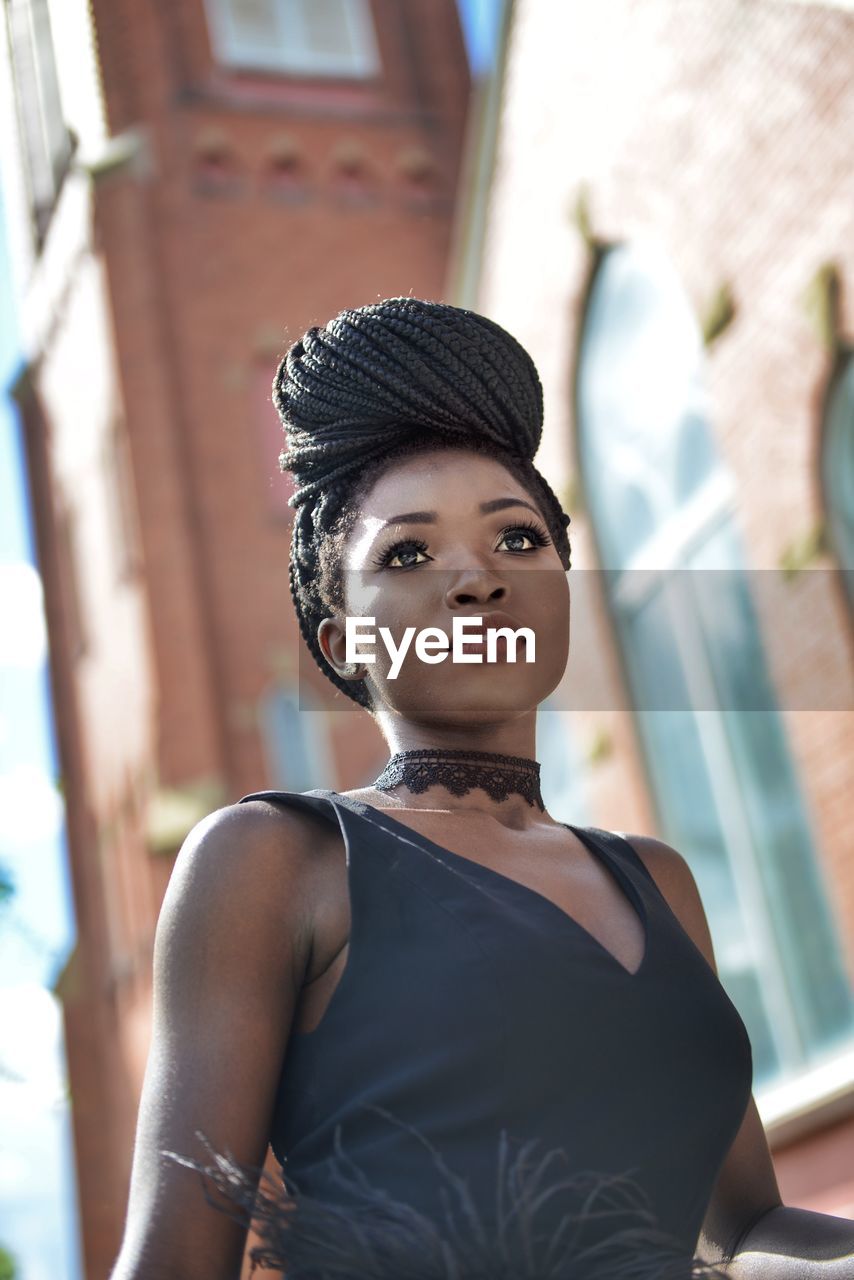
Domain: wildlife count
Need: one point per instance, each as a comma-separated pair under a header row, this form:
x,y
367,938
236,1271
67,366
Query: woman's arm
x,y
232,946
795,1244
748,1231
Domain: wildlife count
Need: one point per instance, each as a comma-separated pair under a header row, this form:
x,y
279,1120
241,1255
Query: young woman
x,y
483,1043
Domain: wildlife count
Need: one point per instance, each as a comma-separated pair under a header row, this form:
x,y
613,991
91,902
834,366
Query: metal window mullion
x,y
630,591
362,55
727,793
39,97
28,102
50,103
666,548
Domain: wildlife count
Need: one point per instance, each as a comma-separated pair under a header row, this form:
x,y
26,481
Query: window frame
x,y
234,52
677,532
45,141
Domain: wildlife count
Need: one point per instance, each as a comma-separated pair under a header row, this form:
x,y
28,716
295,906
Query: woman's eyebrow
x,y
430,517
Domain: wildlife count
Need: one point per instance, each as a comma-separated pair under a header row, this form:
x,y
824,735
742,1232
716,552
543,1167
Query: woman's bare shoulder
x,y
674,877
251,836
249,870
232,946
661,860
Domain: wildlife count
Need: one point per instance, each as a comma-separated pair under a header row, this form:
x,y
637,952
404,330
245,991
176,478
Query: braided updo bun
x,y
380,383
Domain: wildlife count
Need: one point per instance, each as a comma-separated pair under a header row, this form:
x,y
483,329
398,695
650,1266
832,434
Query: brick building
x,y
188,190
669,231
189,186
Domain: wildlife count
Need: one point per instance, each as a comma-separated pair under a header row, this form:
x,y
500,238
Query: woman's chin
x,y
471,700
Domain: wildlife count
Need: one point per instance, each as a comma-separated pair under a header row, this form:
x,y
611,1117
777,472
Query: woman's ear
x,y
331,639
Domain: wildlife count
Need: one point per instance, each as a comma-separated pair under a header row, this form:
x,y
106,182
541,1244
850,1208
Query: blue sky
x,y
37,1197
481,20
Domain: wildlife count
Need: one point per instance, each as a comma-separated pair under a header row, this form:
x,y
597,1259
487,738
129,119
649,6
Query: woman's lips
x,y
476,642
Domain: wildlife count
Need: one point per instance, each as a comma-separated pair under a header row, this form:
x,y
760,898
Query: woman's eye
x,y
524,538
404,553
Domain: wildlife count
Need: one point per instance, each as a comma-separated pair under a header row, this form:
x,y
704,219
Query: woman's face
x,y
451,534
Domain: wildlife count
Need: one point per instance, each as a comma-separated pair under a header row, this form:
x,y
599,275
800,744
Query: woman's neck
x,y
463,779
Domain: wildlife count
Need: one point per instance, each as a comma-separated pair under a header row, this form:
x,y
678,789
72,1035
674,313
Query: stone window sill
x,y
820,1096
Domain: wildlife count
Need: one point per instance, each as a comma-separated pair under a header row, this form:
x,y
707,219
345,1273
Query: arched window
x,y
722,777
838,471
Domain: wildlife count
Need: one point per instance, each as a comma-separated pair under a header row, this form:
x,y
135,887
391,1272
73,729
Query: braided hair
x,y
384,382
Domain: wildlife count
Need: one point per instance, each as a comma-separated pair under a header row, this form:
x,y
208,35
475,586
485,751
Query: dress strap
x,y
316,802
620,848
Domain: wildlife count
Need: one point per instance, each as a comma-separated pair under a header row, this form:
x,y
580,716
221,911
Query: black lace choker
x,y
460,771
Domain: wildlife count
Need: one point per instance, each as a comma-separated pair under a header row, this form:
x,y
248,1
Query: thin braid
x,y
379,383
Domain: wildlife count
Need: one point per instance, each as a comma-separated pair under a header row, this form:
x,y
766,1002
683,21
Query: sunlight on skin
x,y
457,518
776,1248
364,592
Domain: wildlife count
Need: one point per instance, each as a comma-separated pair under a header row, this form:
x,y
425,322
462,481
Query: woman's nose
x,y
475,587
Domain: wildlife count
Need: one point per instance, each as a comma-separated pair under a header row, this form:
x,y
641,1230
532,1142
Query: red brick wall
x,y
214,253
214,266
722,132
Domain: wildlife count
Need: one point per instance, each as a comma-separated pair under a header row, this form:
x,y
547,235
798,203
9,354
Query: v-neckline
x,y
599,851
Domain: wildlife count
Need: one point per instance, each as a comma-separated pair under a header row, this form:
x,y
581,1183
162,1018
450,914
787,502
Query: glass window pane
x,y
724,782
302,37
327,28
637,391
692,823
690,815
809,949
28,105
696,455
56,138
255,21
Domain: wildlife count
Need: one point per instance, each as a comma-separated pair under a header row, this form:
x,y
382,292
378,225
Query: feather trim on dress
x,y
376,1237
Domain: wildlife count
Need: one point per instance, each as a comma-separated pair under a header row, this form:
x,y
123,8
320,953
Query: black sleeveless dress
x,y
475,1017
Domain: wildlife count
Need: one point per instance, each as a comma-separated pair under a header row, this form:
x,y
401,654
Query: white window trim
x,y
821,1095
673,540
